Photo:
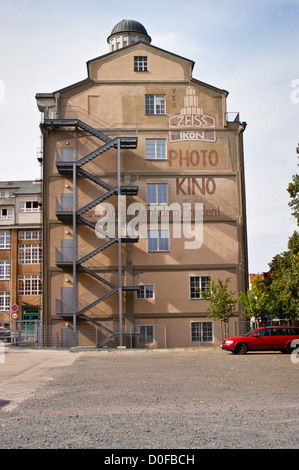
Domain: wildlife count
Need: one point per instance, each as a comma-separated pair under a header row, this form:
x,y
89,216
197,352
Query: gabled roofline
x,y
88,80
135,44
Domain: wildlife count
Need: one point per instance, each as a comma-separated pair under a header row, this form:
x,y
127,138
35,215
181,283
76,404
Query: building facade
x,y
20,251
143,199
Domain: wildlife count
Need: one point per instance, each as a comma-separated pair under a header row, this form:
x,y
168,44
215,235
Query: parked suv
x,y
270,338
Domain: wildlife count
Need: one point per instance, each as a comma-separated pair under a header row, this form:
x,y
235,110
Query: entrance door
x,y
29,316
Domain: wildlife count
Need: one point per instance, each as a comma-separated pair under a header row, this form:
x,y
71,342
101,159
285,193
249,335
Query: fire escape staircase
x,y
66,167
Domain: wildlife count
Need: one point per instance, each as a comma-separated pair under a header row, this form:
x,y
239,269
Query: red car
x,y
270,338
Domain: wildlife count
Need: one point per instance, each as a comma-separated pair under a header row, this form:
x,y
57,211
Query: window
x,y
4,240
30,285
156,149
4,301
158,240
140,64
156,193
155,104
146,334
29,206
30,254
30,235
5,270
201,332
5,214
198,284
2,194
145,292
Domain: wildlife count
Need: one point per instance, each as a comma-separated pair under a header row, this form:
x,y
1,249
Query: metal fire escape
x,y
67,211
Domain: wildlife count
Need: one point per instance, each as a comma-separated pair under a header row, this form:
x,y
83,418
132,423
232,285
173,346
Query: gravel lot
x,y
148,399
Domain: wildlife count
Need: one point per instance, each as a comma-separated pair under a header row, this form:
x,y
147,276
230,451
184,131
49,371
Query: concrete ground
x,y
202,398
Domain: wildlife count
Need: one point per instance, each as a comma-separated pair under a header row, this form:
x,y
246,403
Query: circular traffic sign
x,y
14,316
14,307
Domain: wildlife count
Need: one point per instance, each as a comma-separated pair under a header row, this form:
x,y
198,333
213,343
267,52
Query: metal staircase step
x,y
96,251
76,123
94,179
96,276
97,301
96,201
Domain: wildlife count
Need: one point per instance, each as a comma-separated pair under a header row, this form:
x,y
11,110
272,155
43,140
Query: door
x,y
30,315
67,300
260,340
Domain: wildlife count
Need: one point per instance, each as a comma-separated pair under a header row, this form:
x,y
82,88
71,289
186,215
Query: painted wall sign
x,y
191,123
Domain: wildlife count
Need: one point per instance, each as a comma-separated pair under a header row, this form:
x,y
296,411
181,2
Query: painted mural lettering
x,y
193,158
191,116
191,186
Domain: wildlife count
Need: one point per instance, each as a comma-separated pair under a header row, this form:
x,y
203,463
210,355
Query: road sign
x,y
14,316
14,307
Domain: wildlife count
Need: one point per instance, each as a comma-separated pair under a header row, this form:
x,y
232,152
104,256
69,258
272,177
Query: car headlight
x,y
229,341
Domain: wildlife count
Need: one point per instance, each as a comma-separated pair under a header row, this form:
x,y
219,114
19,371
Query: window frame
x,y
158,192
29,206
159,239
6,237
29,284
30,253
4,301
8,215
29,235
206,333
153,151
153,105
4,270
146,337
193,293
144,295
140,63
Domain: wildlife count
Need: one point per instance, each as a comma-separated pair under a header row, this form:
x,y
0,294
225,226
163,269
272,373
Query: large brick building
x,y
137,141
20,251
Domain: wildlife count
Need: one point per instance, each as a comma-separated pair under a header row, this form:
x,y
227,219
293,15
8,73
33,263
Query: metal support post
x,y
75,243
119,245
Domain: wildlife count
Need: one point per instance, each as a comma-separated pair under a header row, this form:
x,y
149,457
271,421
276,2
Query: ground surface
x,y
160,399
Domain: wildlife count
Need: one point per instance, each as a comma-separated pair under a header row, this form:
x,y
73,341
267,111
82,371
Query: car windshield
x,y
251,332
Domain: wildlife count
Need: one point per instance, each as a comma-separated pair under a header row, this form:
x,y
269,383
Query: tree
x,y
222,304
293,190
259,300
285,284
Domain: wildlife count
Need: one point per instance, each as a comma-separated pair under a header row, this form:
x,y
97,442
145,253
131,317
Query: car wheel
x,y
241,348
289,348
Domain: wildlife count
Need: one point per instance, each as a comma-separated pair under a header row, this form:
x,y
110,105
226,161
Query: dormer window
x,y
140,64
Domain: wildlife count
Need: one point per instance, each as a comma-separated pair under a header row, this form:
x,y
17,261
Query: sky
x,y
249,48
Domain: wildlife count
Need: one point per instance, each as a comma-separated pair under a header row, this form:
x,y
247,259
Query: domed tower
x,y
127,32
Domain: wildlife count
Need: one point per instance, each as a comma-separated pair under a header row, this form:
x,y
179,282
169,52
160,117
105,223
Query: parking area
x,y
198,398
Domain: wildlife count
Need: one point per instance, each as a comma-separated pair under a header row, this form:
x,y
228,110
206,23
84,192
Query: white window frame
x,y
7,216
202,332
4,240
155,105
140,64
195,294
145,292
30,235
156,193
4,270
158,235
155,149
30,206
30,253
4,301
29,284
